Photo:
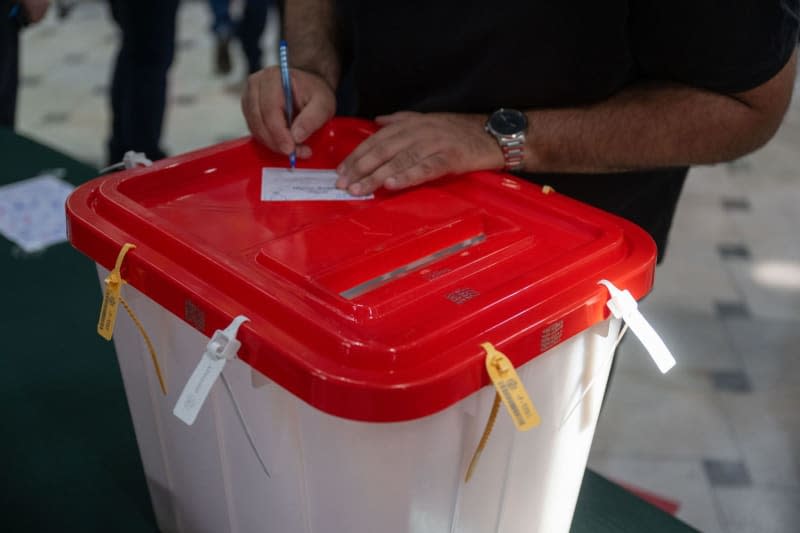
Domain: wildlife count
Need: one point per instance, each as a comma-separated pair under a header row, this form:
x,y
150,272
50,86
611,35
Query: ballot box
x,y
324,364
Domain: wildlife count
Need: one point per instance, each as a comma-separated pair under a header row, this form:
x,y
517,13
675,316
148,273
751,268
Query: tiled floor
x,y
720,433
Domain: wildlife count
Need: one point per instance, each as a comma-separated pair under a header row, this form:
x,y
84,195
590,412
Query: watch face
x,y
508,121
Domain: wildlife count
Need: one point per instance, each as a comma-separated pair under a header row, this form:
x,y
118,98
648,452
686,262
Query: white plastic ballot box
x,y
349,348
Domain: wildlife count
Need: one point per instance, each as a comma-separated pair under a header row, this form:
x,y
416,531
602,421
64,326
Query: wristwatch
x,y
508,127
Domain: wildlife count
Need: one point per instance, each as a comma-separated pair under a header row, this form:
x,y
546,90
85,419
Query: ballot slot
x,y
411,266
351,256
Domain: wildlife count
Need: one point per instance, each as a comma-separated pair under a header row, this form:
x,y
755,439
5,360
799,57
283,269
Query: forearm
x,y
311,34
647,126
643,126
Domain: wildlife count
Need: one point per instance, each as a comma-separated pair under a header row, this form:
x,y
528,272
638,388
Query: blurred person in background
x,y
15,15
139,83
248,30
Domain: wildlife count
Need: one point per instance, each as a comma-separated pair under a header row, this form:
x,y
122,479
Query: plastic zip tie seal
x,y
223,346
130,160
112,298
623,305
511,391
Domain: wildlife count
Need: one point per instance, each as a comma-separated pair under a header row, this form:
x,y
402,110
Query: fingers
x,y
251,109
275,122
382,147
412,148
394,160
409,149
398,153
389,176
263,106
316,106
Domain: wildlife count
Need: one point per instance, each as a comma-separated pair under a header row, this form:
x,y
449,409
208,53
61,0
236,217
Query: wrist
x,y
329,77
509,128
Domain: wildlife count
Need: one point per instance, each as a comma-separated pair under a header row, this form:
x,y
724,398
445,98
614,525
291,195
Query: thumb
x,y
311,117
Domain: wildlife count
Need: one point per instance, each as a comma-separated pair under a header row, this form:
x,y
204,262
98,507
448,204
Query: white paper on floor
x,y
283,184
32,211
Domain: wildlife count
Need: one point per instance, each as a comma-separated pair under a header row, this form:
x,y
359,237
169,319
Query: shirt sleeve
x,y
726,46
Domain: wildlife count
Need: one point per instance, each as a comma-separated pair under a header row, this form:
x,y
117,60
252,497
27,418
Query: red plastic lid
x,y
370,310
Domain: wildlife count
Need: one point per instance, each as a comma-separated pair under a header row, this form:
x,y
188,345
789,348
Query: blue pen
x,y
287,91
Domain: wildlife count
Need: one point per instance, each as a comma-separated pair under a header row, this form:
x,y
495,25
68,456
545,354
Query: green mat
x,y
68,454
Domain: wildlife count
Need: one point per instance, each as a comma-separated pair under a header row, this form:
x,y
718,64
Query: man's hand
x,y
263,105
35,10
413,148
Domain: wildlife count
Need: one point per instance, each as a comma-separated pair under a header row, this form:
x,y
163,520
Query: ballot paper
x,y
287,185
32,211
